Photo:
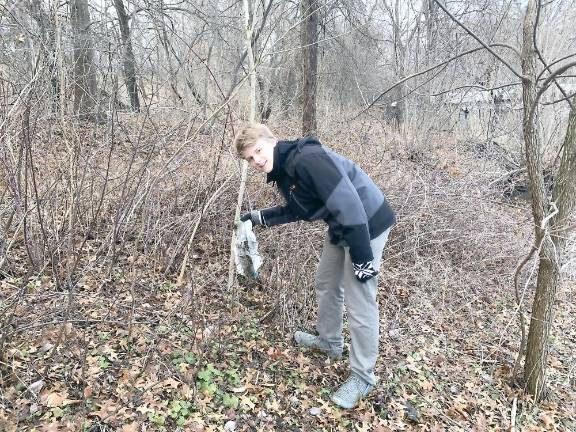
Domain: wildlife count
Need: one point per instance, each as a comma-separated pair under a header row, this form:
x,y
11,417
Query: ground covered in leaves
x,y
128,348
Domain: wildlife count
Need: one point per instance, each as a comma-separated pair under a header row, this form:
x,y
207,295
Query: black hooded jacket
x,y
317,184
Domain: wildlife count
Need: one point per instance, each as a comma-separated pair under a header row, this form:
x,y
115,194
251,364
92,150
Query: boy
x,y
317,184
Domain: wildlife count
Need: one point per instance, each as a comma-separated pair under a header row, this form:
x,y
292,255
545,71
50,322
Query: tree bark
x,y
248,28
48,34
128,61
431,17
399,106
309,38
84,69
564,193
165,42
548,230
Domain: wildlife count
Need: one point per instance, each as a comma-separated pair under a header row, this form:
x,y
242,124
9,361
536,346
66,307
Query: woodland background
x,y
119,191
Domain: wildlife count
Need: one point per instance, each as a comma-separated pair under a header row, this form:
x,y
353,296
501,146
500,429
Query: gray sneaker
x,y
308,340
349,393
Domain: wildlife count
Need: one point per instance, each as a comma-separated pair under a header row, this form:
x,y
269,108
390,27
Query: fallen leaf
x,y
245,401
426,385
52,427
315,411
35,387
481,423
547,420
171,382
131,427
381,428
412,413
240,389
364,427
55,399
108,410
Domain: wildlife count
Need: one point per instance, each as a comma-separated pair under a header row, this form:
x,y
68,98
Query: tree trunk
x,y
128,60
431,17
548,230
396,108
564,194
48,35
165,42
84,69
248,28
399,106
309,38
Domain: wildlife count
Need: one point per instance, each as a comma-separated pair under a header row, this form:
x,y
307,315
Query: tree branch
x,y
545,86
484,44
477,86
555,62
541,57
570,96
414,75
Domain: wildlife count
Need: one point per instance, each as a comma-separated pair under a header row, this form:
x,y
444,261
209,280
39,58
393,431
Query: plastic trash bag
x,y
246,255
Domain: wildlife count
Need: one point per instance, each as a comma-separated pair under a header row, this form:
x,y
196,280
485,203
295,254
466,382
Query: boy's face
x,y
260,156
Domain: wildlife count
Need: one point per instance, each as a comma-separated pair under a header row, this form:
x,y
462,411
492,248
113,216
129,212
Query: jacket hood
x,y
284,151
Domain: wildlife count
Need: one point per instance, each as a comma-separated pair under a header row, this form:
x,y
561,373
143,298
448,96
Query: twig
x,y
484,44
520,312
567,98
555,62
196,225
508,174
513,415
550,216
416,74
120,323
541,57
476,86
545,86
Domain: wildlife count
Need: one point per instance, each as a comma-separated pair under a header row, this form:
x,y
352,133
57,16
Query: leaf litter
x,y
140,352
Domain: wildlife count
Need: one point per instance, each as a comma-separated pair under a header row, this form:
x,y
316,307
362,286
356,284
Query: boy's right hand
x,y
255,216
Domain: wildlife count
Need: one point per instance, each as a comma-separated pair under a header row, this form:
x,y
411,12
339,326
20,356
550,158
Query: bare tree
x,y
309,37
249,9
550,217
85,86
48,40
128,60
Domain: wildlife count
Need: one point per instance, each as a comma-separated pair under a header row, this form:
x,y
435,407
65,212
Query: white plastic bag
x,y
246,255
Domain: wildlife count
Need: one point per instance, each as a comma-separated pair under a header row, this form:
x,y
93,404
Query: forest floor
x,y
129,349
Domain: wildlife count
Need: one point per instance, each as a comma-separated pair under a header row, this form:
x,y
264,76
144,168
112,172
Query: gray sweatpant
x,y
336,285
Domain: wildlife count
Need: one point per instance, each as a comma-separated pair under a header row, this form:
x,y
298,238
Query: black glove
x,y
255,216
364,271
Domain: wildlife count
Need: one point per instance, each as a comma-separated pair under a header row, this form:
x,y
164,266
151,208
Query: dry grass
x,y
448,315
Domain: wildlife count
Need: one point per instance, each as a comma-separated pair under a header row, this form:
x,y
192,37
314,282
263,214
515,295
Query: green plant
x,y
180,410
184,357
230,401
167,287
206,378
103,362
157,418
232,376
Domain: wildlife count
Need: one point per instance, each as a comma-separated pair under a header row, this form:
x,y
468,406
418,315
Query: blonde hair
x,y
249,134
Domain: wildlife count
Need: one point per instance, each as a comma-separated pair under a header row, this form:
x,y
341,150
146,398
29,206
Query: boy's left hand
x,y
255,216
364,271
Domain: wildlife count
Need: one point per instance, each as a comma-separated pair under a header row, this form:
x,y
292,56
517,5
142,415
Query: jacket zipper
x,y
298,203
